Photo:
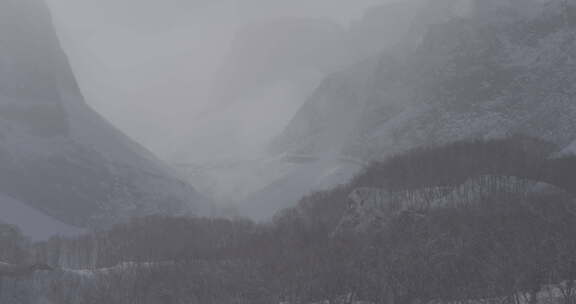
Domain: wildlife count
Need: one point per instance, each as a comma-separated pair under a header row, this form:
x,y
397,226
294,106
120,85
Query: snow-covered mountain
x,y
57,155
493,69
272,68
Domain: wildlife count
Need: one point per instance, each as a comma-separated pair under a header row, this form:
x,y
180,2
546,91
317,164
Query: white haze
x,y
206,84
147,65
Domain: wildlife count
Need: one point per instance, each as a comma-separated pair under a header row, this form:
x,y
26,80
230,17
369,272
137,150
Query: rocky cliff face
x,y
502,68
56,154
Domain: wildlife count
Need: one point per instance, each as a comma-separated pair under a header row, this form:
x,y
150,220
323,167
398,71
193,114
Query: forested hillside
x,y
466,221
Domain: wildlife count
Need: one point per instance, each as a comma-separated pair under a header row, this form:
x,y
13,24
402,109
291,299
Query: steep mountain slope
x,y
56,154
506,67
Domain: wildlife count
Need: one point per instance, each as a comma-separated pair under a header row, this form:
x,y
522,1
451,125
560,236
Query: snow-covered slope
x,y
56,154
374,207
300,179
506,67
142,283
33,223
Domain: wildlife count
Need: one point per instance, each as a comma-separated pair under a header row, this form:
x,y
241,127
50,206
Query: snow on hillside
x,y
505,69
374,207
34,224
302,179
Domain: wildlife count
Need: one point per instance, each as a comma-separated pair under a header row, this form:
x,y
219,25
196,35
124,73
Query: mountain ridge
x,y
469,77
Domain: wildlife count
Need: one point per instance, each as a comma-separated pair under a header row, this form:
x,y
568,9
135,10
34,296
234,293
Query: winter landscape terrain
x,y
421,152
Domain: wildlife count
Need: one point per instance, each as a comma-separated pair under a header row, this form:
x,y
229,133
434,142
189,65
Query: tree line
x,y
509,246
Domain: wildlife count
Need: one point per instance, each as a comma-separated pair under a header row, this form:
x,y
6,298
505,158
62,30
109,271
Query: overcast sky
x,y
147,64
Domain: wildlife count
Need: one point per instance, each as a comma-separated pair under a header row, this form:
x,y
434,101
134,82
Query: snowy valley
x,y
423,153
